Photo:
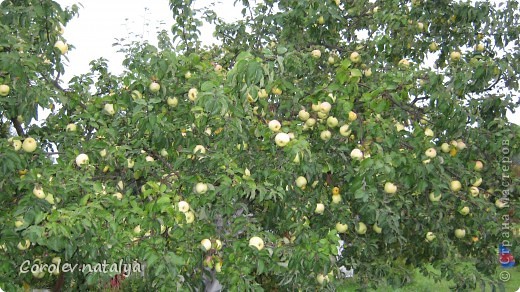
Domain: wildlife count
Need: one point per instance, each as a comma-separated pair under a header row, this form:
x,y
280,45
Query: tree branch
x,y
18,127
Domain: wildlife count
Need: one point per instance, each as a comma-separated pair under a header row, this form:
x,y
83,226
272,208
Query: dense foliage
x,y
313,121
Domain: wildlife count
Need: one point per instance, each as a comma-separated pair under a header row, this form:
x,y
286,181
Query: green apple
x,y
29,145
206,244
361,228
332,122
460,233
4,89
200,149
404,63
377,229
82,159
345,130
325,135
38,192
455,185
109,109
201,188
464,211
336,199
433,46
154,87
50,199
445,147
301,182
420,26
316,54
321,20
282,139
19,223
71,128
190,217
430,153
274,125
164,152
256,242
434,198
390,188
136,94
320,278
478,165
172,101
118,196
303,115
430,236
477,182
341,228
356,154
62,47
192,94
23,245
474,191
455,56
320,208
331,60
355,57
310,122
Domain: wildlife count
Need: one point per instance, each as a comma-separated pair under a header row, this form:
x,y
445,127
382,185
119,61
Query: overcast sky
x,y
100,22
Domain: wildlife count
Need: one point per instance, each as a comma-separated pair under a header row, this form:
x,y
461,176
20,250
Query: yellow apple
x,y
434,198
301,182
29,145
332,122
336,199
404,63
356,154
82,159
455,56
352,116
361,228
316,54
480,47
62,47
455,185
464,211
201,188
321,20
190,217
23,245
428,132
192,94
256,242
430,153
399,127
345,130
183,206
474,191
274,125
430,236
206,244
282,139
154,87
310,122
172,101
341,228
303,115
38,192
377,229
109,109
320,208
477,182
199,149
325,135
478,165
355,57
325,107
460,233
4,89
433,46
276,91
17,145
390,188
445,147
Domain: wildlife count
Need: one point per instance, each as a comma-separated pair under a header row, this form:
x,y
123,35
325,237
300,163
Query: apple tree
x,y
318,136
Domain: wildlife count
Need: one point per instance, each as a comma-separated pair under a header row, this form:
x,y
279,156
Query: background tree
x,y
313,121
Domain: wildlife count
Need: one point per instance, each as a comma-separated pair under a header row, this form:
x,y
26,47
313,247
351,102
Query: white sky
x,y
100,22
